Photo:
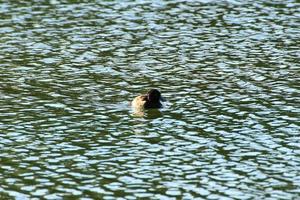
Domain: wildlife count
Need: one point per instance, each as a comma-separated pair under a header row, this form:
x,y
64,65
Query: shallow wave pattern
x,y
229,70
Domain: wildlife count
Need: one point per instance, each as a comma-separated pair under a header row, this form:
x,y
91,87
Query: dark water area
x,y
230,71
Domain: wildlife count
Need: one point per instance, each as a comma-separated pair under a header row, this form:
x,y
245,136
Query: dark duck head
x,y
153,99
150,100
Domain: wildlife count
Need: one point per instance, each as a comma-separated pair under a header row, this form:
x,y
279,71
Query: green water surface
x,y
230,71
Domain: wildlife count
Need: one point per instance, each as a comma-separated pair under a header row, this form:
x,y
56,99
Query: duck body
x,y
147,101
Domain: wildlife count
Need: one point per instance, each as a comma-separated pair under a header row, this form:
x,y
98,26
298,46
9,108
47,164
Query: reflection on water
x,y
230,72
149,114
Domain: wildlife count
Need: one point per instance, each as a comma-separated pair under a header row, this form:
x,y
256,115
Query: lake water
x,y
230,71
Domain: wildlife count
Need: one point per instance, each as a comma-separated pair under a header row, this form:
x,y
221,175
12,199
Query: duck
x,y
150,100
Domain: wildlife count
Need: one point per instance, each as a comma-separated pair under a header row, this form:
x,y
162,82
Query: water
x,y
229,70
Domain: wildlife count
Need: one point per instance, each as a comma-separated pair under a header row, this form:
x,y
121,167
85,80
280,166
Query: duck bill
x,y
162,99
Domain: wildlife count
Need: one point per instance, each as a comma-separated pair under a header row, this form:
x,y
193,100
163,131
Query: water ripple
x,y
228,69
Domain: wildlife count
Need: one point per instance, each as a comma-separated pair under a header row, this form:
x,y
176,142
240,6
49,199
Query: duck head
x,y
154,96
